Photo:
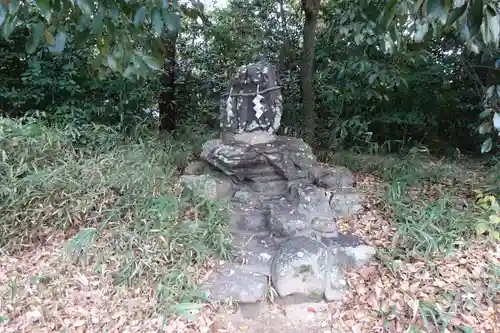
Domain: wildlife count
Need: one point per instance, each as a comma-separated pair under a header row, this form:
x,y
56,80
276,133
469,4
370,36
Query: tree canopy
x,y
367,64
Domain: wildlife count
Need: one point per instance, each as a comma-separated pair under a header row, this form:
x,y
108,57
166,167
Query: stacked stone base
x,y
282,213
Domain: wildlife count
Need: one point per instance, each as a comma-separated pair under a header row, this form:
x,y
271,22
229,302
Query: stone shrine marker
x,y
283,204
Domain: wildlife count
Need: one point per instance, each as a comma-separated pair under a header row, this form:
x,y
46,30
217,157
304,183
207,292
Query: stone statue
x,y
253,102
279,196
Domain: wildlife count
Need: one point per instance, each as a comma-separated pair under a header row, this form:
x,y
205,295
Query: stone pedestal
x,y
282,203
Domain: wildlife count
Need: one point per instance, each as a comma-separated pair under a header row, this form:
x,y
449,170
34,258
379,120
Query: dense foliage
x,y
387,74
86,86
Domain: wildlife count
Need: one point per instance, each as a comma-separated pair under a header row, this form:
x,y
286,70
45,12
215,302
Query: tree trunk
x,y
311,9
166,99
284,51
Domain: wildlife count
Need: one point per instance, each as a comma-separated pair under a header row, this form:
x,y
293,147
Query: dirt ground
x,y
42,293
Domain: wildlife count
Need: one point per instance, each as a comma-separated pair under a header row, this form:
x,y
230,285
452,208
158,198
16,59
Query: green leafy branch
x,y
127,34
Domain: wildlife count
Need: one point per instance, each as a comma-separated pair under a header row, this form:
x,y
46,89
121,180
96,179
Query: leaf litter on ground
x,y
458,292
403,290
41,293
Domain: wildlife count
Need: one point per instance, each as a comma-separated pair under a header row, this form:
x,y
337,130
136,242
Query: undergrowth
x,y
114,197
436,206
433,202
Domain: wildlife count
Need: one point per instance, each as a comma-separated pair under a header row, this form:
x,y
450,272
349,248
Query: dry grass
x,y
99,239
405,291
433,273
41,293
129,246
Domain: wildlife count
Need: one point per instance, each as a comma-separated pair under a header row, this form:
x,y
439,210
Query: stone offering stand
x,y
283,204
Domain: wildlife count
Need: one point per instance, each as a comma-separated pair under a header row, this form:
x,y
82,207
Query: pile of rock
x,y
283,205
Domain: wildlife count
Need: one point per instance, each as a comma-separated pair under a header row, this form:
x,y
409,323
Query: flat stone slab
x,y
286,220
299,267
208,186
233,284
253,253
245,278
333,177
346,202
247,218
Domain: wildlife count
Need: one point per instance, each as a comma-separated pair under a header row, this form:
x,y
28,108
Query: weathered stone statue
x,y
253,102
283,204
